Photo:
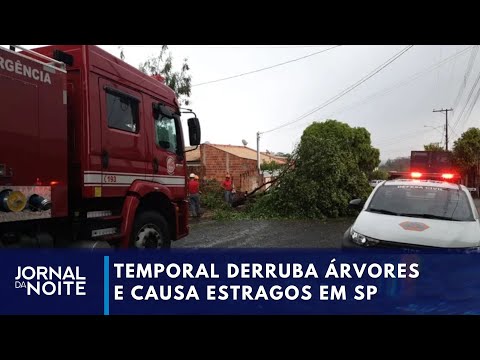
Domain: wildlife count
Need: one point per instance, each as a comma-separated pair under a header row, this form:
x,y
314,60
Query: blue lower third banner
x,y
234,282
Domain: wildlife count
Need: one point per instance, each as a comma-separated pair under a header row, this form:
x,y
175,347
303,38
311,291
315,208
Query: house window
x,y
122,111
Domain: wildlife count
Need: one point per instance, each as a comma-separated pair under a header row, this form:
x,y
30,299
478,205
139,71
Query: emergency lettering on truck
x,y
92,152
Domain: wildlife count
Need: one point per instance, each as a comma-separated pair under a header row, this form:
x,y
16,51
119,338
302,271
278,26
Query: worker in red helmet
x,y
228,188
194,195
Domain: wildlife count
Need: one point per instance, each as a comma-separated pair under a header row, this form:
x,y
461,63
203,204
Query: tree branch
x,y
284,171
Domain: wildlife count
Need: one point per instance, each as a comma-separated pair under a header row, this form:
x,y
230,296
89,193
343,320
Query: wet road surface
x,y
206,233
265,234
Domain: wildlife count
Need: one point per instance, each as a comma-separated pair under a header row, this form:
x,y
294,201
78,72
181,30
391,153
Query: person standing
x,y
227,186
194,195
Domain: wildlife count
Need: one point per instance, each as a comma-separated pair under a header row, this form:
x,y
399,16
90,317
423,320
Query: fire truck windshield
x,y
422,201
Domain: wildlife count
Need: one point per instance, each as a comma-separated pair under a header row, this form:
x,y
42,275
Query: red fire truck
x,y
92,152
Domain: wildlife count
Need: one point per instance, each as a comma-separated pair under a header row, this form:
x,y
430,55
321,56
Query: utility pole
x,y
258,151
446,125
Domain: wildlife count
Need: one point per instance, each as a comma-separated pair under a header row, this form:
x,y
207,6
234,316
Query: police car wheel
x,y
150,231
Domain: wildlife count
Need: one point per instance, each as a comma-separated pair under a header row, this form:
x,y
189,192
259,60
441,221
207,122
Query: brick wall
x,y
194,168
216,163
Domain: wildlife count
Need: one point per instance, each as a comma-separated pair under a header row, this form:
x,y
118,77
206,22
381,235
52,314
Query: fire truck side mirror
x,y
194,131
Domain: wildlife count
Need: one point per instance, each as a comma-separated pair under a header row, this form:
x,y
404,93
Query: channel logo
x,y
51,281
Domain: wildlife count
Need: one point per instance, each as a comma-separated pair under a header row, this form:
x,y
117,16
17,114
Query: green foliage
x,y
212,195
378,174
433,147
228,213
178,81
466,150
331,166
270,166
397,164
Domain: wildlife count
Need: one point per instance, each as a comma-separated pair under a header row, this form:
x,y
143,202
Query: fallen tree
x,y
332,164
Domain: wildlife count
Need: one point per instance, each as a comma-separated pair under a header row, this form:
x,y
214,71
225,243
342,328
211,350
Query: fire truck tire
x,y
150,231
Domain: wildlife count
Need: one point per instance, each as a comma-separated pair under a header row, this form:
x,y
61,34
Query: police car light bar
x,y
447,176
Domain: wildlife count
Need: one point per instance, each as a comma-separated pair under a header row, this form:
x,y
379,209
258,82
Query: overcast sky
x,y
236,109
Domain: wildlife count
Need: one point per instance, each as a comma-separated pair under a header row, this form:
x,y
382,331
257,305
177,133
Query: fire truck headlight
x,y
14,201
38,202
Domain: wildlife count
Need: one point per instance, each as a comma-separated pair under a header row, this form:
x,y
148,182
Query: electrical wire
x,y
442,139
453,131
458,120
346,91
452,70
472,106
402,83
267,68
468,71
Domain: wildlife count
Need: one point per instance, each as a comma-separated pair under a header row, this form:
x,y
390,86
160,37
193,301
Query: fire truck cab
x,y
92,151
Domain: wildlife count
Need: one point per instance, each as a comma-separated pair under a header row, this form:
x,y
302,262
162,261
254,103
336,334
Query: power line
x,y
442,139
346,91
458,120
459,117
471,61
452,70
469,111
472,106
438,72
452,130
268,67
386,143
403,83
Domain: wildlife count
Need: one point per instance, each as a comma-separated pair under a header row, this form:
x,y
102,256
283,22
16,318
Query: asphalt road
x,y
265,234
207,233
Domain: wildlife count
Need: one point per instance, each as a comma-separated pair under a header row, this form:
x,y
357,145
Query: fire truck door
x,y
123,137
168,160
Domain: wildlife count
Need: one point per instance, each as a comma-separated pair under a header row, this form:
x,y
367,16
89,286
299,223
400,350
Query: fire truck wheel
x,y
150,231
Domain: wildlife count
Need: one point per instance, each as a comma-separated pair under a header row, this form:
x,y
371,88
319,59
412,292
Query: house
x,y
213,162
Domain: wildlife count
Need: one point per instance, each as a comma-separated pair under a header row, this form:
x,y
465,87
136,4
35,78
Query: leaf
x,y
433,147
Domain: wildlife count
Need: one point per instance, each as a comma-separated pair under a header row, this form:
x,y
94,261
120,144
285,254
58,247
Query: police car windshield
x,y
422,201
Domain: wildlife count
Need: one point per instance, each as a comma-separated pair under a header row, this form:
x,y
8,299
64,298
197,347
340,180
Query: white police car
x,y
415,213
374,183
